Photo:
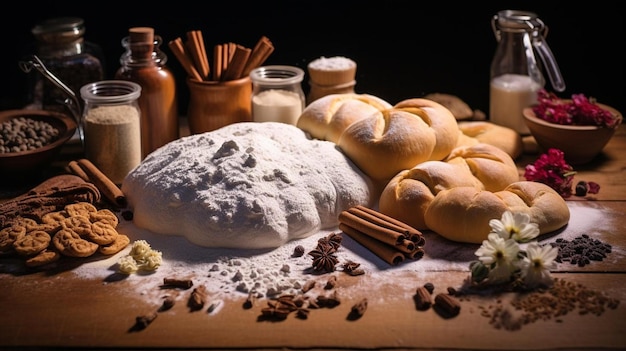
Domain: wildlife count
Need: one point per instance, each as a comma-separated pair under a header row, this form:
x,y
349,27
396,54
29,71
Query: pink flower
x,y
580,111
551,169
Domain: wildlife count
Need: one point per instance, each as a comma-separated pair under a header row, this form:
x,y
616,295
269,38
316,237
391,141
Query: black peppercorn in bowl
x,y
30,140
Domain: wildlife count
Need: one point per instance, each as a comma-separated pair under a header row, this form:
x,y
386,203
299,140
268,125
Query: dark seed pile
x,y
560,299
581,250
23,134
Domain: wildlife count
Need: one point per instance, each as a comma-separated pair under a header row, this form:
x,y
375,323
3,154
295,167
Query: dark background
x,y
403,49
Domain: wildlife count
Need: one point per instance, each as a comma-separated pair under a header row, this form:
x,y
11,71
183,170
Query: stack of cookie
x,y
331,75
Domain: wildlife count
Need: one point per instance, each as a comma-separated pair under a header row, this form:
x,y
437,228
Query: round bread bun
x,y
396,139
504,138
439,119
327,117
408,194
462,214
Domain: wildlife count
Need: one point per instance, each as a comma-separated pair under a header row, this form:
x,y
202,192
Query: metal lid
x,y
59,29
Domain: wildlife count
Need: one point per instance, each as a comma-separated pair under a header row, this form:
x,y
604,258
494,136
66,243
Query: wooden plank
x,y
61,311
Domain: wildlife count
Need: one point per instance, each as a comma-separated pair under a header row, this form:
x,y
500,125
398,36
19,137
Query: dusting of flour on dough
x,y
247,185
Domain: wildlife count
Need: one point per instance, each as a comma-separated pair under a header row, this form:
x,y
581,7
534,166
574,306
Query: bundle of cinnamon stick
x,y
230,60
388,238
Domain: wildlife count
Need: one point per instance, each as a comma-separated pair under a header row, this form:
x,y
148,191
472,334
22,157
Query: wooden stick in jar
x,y
178,49
195,49
217,62
237,63
260,53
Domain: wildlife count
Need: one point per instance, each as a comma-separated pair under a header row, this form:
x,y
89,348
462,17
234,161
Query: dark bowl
x,y
31,161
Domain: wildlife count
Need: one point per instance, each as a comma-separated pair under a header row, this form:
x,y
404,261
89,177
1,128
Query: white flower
x,y
515,226
500,256
537,264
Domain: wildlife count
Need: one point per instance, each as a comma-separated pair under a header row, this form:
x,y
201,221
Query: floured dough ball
x,y
247,185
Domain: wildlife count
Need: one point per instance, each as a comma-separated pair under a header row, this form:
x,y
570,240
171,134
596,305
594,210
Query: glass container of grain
x,y
112,126
277,94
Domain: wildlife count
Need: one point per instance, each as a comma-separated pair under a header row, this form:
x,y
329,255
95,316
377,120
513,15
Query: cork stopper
x,y
141,40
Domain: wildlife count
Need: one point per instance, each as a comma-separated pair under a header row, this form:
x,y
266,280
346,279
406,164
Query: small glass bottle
x,y
61,46
277,94
516,75
144,63
112,126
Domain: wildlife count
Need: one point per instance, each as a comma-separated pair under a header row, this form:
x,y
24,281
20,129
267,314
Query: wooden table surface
x,y
59,309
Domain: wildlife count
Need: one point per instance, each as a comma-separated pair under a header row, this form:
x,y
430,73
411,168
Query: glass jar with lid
x,y
112,126
61,46
277,94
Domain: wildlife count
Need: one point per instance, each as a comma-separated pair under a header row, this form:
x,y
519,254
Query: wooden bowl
x,y
25,163
580,144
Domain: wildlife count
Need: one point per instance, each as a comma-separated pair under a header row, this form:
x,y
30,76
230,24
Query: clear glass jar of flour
x,y
112,126
277,94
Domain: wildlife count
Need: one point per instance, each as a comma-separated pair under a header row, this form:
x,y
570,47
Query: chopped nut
x,y
449,305
308,285
298,251
359,308
142,322
331,282
422,297
197,298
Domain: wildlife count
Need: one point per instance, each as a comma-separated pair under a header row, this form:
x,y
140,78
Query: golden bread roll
x,y
504,138
494,168
412,132
408,194
327,117
462,214
439,119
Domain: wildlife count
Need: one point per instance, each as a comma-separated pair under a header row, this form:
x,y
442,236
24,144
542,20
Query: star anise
x,y
324,258
332,239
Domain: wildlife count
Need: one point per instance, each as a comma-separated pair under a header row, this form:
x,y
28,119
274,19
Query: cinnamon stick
x,y
178,49
75,169
412,233
195,44
380,233
217,62
386,252
106,186
261,51
237,63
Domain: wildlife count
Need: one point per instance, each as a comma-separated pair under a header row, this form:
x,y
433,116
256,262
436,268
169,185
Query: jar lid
x,y
59,29
111,91
277,75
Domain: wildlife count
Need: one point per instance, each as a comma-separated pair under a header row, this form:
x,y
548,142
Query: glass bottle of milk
x,y
516,75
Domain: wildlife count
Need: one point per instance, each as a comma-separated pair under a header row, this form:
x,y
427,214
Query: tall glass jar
x,y
61,46
277,94
144,63
516,74
112,126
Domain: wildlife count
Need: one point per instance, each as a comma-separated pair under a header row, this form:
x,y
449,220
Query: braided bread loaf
x,y
462,214
410,193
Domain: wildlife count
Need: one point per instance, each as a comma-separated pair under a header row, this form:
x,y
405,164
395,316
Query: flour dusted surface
x,y
248,185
